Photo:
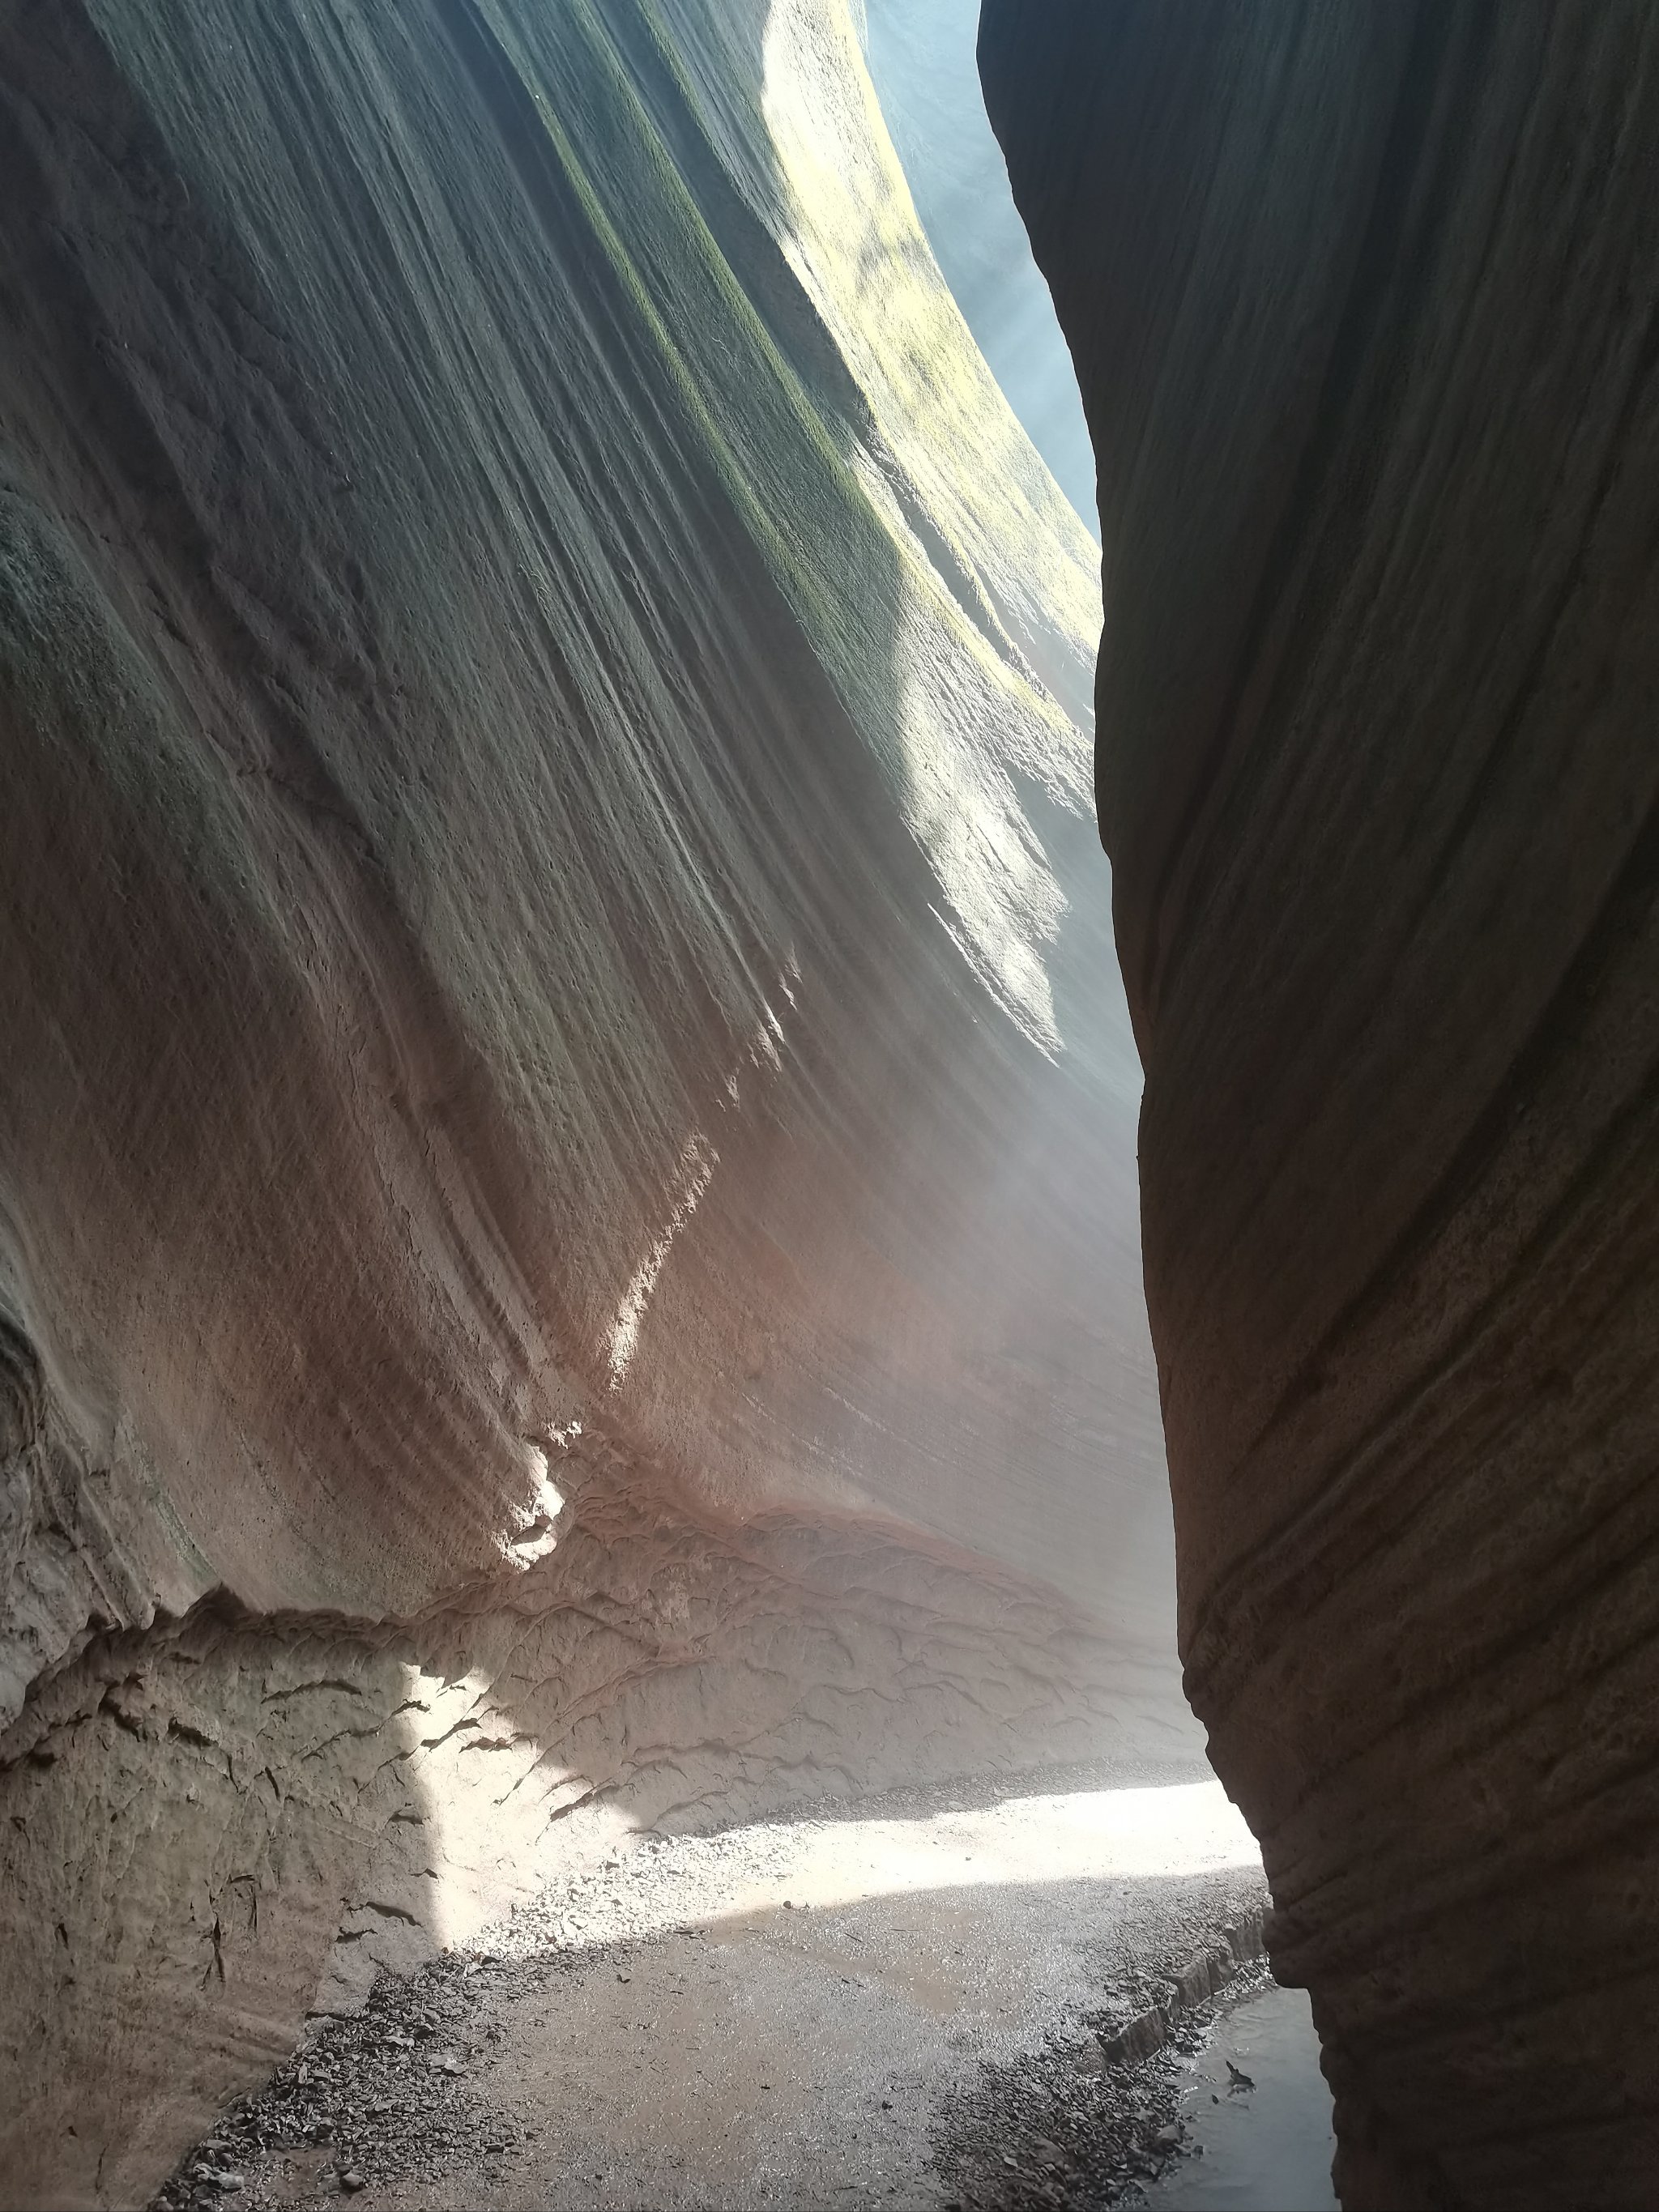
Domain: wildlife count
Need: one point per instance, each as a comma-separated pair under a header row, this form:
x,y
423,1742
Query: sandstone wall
x,y
566,1239
1363,301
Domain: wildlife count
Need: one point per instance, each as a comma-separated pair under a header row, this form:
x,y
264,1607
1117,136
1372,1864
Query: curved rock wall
x,y
1364,300
567,1246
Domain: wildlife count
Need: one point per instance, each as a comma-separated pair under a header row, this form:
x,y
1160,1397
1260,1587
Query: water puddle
x,y
1266,2147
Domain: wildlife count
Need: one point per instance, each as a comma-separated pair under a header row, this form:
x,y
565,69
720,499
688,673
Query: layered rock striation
x,y
1363,302
567,1247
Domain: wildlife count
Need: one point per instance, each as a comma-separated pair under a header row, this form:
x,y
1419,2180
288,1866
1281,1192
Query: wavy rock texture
x,y
566,1235
1364,302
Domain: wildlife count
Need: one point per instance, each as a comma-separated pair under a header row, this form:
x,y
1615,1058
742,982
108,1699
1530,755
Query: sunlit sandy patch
x,y
653,1886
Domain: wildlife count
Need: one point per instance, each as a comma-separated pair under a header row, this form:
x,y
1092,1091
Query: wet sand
x,y
1266,2147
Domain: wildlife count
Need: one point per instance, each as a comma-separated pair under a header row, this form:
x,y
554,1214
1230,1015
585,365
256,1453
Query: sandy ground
x,y
877,2007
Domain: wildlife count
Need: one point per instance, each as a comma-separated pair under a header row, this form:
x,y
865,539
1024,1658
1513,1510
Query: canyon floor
x,y
909,2003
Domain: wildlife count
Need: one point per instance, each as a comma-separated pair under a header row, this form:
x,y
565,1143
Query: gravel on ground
x,y
953,1997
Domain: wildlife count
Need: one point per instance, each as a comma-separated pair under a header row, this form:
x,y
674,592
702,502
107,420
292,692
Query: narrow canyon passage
x,y
814,1389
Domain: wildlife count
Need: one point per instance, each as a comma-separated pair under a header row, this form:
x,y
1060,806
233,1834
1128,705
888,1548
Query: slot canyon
x,y
728,1473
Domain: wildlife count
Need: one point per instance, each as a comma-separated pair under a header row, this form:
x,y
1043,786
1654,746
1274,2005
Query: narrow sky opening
x,y
921,56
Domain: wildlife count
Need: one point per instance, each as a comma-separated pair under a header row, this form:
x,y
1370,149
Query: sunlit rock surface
x,y
1364,299
567,1246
